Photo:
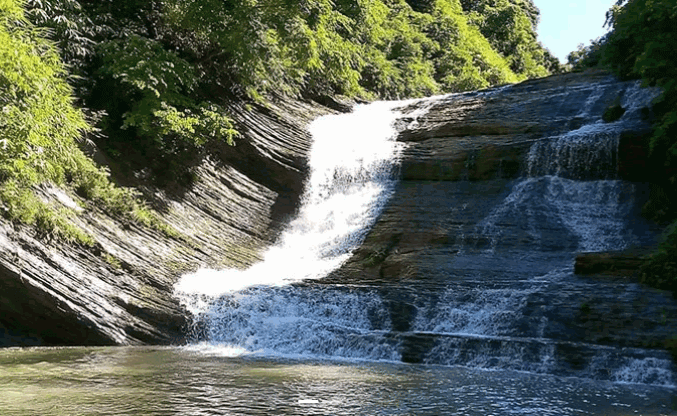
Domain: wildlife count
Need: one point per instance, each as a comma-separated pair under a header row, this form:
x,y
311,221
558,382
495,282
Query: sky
x,y
566,23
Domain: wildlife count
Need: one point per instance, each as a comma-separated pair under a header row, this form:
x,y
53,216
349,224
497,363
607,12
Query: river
x,y
208,380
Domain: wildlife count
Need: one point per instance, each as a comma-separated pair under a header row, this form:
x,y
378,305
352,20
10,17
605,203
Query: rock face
x,y
614,264
468,149
500,190
51,294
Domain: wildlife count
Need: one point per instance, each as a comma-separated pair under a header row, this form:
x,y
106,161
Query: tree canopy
x,y
155,77
39,133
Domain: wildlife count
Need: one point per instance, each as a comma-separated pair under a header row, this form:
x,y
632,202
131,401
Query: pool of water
x,y
209,380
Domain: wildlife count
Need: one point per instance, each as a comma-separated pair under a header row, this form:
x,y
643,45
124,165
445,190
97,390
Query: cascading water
x,y
505,306
353,162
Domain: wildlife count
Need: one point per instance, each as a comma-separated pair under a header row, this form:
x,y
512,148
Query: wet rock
x,y
121,292
616,264
476,213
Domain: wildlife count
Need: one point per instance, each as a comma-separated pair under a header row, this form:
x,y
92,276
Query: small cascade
x,y
551,212
593,211
538,355
589,152
304,321
571,184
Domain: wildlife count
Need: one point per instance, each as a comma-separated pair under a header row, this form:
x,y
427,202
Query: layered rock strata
x,y
484,207
121,292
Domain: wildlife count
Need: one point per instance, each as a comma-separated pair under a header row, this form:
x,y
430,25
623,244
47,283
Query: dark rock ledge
x,y
613,264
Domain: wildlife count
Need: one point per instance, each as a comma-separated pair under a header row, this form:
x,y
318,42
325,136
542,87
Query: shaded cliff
x,y
121,291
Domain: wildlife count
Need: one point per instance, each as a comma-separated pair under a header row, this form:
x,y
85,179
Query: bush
x,y
147,92
39,127
613,113
660,270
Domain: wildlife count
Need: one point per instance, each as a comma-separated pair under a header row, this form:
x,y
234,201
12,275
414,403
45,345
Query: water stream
x,y
353,161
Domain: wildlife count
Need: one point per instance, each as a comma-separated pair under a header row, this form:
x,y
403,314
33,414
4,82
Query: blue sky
x,y
566,23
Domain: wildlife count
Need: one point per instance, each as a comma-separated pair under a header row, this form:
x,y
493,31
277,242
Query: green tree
x,y
162,71
39,131
641,45
510,27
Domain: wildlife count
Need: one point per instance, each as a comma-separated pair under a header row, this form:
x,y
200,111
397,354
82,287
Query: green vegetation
x,y
613,113
39,129
510,27
155,79
641,45
162,73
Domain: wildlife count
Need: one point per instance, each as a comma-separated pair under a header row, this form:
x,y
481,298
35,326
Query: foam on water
x,y
296,321
646,370
478,311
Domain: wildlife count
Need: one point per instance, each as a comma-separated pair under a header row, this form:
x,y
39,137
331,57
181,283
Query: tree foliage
x,y
641,44
161,72
510,27
156,76
586,56
39,131
385,48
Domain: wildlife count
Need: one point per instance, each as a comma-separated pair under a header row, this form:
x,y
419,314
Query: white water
x,y
574,175
592,211
353,159
302,322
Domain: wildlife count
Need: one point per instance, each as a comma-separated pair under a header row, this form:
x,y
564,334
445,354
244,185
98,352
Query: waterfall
x,y
353,161
507,307
571,181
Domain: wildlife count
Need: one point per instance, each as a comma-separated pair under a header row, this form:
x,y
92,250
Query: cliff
x,y
56,294
517,181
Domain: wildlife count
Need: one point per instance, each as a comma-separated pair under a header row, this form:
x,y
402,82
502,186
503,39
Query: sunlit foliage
x,y
161,72
510,27
156,77
39,127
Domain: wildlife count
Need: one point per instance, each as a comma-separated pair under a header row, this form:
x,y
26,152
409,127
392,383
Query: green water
x,y
181,381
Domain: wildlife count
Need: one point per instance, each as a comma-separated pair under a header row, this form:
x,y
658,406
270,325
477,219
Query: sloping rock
x,y
477,211
464,153
121,293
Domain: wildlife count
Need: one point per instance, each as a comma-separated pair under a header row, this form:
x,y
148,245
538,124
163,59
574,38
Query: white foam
x,y
645,370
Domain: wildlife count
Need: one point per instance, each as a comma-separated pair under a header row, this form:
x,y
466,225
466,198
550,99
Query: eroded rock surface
x,y
500,190
121,293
